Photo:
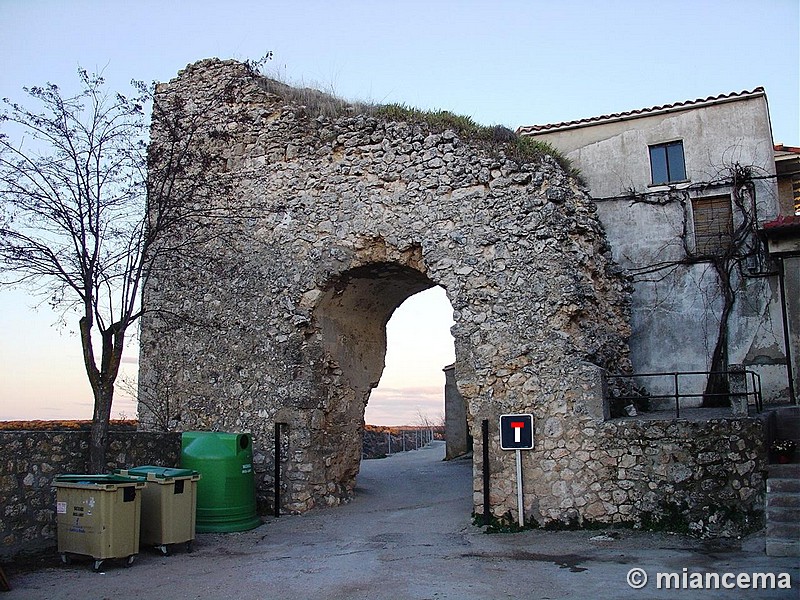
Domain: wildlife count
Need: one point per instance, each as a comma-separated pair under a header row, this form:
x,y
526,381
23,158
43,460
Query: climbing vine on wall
x,y
741,254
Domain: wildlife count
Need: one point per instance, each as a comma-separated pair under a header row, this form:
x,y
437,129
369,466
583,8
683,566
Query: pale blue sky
x,y
501,62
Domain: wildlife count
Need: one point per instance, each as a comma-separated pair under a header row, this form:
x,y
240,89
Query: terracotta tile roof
x,y
784,223
641,112
789,149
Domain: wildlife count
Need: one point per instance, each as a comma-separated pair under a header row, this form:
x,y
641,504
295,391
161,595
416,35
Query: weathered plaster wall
x,y
784,242
613,156
322,226
676,311
455,415
30,460
791,268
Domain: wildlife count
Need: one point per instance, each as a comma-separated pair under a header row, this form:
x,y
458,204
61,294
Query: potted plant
x,y
782,450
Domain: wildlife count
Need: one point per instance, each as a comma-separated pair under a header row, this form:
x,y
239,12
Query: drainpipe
x,y
787,345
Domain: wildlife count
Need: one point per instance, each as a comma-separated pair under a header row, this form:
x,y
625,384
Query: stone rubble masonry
x,y
306,231
707,476
30,460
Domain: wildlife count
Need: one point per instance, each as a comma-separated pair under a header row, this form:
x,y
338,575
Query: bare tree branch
x,y
84,221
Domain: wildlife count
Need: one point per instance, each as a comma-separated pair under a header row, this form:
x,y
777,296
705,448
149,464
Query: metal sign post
x,y
520,506
516,433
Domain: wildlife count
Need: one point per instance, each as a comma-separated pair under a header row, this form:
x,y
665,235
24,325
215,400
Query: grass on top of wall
x,y
497,138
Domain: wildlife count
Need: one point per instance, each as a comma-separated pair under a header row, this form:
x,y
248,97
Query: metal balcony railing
x,y
742,384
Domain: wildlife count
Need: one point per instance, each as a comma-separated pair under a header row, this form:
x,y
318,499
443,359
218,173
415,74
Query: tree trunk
x,y
102,382
98,439
717,388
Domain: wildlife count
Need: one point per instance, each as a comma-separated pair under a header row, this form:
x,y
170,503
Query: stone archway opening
x,y
420,345
352,316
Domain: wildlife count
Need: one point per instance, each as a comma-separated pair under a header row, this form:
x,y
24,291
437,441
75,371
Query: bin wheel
x,y
130,560
66,559
97,565
163,549
190,546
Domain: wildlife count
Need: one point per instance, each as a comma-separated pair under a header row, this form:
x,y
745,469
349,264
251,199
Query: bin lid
x,y
102,479
151,471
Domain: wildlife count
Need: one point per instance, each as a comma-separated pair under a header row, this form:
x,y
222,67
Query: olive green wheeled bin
x,y
169,506
98,516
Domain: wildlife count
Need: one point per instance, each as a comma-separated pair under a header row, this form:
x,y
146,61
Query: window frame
x,y
669,163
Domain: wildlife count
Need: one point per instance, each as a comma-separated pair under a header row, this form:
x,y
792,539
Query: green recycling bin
x,y
226,499
169,506
98,516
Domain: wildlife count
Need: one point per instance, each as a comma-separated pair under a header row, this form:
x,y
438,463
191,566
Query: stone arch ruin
x,y
317,228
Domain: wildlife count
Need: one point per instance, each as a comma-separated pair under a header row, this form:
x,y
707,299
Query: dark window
x,y
666,163
713,225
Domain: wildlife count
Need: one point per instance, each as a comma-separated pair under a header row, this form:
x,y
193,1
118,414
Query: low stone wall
x,y
705,478
30,460
702,477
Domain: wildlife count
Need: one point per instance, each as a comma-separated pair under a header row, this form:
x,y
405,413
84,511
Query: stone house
x,y
683,191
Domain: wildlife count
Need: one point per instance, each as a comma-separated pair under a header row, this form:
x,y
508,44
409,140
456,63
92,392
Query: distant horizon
x,y
419,346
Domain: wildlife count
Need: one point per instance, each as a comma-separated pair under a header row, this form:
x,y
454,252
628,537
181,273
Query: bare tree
x,y
730,264
82,221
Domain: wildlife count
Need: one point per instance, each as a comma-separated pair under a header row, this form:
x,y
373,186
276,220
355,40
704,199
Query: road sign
x,y
516,432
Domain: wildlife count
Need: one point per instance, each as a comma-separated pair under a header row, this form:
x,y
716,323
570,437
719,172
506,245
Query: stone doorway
x,y
352,317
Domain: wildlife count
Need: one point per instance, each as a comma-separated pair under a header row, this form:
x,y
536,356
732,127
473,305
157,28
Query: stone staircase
x,y
783,489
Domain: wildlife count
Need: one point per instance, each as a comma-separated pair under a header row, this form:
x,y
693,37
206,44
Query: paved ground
x,y
408,535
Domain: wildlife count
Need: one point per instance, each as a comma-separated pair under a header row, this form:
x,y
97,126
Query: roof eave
x,y
533,130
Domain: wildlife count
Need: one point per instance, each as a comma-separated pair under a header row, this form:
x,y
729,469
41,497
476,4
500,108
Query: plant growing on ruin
x,y
507,523
497,138
81,219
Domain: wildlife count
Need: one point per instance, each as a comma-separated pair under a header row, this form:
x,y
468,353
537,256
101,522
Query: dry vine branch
x,y
728,261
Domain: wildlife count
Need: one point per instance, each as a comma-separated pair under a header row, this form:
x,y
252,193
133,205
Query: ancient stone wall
x,y
700,477
317,228
30,460
310,228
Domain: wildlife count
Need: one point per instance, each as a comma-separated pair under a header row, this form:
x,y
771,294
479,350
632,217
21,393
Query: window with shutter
x,y
713,225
